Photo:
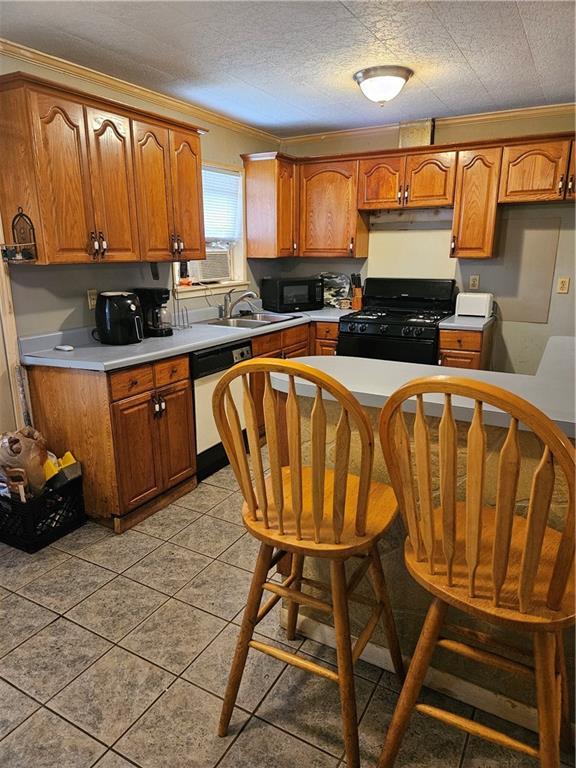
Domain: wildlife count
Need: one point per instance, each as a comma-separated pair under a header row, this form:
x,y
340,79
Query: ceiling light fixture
x,y
382,83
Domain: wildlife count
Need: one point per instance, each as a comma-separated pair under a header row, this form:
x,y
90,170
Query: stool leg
x,y
345,663
246,632
293,607
547,699
566,707
379,583
414,679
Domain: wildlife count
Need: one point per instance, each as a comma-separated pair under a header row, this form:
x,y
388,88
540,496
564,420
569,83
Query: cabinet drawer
x,y
171,370
471,341
268,342
298,350
132,381
460,359
293,336
327,331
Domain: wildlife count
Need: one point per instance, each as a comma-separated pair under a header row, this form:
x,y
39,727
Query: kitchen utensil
x,y
119,318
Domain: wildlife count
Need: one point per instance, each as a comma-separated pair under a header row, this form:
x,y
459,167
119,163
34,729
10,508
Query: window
x,y
224,263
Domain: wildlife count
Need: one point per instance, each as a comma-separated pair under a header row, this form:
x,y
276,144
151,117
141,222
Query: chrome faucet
x,y
229,304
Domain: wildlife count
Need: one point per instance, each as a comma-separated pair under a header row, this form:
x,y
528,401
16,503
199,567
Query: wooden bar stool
x,y
487,561
309,511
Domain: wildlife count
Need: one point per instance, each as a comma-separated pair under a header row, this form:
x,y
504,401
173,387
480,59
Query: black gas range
x,y
399,320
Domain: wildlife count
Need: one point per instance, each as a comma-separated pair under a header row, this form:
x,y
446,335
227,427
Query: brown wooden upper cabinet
x,y
330,224
380,182
429,179
537,171
407,181
101,182
271,205
112,182
475,203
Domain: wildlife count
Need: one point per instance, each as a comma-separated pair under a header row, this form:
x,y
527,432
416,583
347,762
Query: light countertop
x,y
551,389
89,354
465,323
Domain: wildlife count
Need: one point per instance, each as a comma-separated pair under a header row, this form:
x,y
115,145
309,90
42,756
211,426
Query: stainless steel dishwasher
x,y
207,369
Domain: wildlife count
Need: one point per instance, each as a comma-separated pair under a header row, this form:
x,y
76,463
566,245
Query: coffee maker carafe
x,y
157,317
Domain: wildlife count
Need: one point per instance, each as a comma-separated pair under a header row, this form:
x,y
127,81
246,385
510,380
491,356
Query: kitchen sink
x,y
253,320
238,322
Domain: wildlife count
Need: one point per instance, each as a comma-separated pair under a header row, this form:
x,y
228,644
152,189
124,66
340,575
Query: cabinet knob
x,y
132,383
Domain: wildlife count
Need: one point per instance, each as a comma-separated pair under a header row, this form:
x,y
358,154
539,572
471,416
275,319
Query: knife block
x,y
356,298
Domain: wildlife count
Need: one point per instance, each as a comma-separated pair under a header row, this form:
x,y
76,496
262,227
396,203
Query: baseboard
x,y
443,682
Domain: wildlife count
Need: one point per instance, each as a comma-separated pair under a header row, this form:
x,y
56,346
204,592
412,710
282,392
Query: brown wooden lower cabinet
x,y
466,349
323,338
323,347
132,432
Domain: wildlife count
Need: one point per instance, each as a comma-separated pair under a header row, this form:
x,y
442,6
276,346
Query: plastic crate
x,y
35,524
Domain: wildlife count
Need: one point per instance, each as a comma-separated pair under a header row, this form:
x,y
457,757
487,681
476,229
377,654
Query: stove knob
x,y
352,327
417,331
406,331
362,327
383,328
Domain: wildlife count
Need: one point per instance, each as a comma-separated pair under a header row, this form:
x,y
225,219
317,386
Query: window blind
x,y
222,205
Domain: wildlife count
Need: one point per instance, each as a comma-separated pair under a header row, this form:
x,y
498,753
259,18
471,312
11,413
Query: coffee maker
x,y
157,318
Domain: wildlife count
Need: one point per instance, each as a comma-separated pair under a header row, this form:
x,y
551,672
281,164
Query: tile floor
x,y
114,652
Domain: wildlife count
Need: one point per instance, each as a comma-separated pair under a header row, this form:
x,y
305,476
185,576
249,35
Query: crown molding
x,y
23,53
522,113
373,130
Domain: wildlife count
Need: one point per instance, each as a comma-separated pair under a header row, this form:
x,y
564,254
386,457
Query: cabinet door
x,y
475,203
112,178
153,191
380,182
534,172
176,430
286,208
325,347
429,179
137,449
460,359
63,177
328,208
571,186
186,171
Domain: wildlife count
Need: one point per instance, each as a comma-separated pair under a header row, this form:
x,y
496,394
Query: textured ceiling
x,y
287,67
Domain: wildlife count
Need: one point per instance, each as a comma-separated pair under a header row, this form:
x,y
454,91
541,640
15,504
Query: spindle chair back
x,y
313,505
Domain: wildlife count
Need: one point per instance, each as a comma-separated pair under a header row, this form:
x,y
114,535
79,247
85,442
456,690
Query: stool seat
x,y
382,508
539,616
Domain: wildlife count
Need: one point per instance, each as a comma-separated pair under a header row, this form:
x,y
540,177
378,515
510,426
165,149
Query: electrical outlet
x,y
91,295
563,285
473,282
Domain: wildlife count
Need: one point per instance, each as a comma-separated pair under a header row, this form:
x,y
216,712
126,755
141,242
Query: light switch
x,y
563,285
91,296
473,282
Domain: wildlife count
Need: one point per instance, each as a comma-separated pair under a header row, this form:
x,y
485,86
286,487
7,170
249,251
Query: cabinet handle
x,y
400,195
561,184
95,245
103,244
453,244
156,406
180,243
406,194
174,242
294,247
351,246
162,403
132,383
570,188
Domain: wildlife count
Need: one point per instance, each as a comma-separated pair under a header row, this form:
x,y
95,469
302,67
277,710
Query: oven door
x,y
375,347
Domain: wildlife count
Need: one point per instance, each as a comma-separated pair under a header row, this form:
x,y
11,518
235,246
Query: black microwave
x,y
297,294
